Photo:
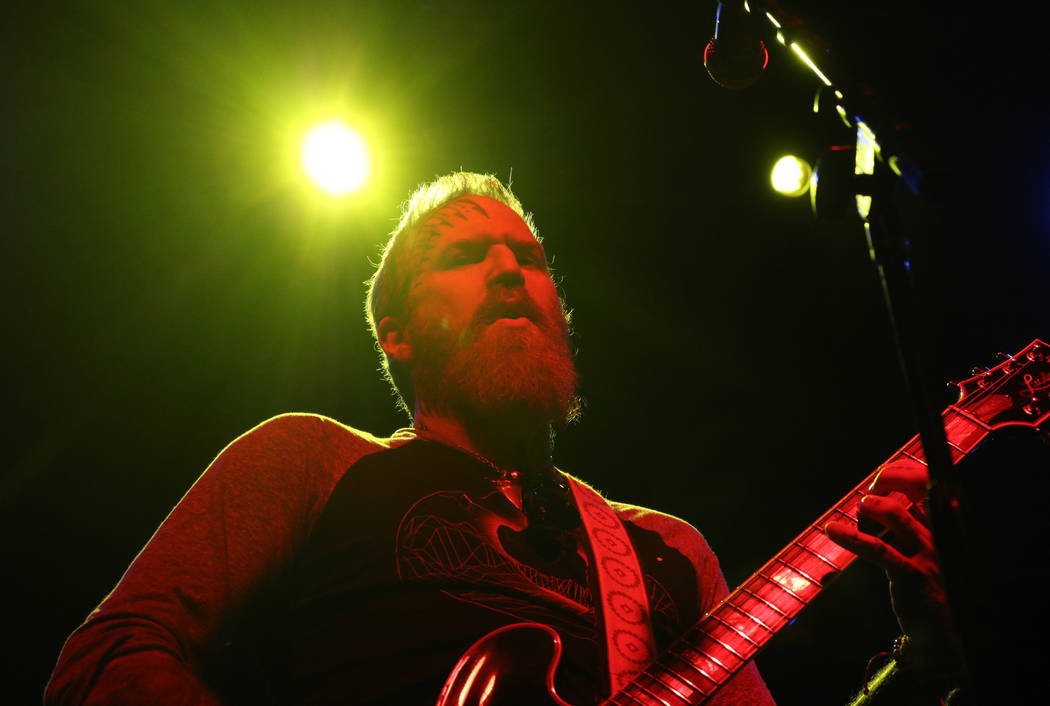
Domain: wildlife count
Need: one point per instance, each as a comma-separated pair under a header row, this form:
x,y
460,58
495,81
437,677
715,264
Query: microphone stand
x,y
879,161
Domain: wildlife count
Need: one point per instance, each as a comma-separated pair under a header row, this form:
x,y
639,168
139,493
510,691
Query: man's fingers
x,y
910,535
906,476
868,523
868,547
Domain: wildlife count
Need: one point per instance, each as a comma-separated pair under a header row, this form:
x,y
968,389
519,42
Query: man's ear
x,y
393,339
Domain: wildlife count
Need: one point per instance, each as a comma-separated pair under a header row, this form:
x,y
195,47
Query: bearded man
x,y
315,563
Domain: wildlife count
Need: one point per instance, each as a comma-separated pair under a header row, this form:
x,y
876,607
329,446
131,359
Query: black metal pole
x,y
880,160
890,250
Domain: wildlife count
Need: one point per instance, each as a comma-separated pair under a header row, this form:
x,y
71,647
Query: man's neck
x,y
510,445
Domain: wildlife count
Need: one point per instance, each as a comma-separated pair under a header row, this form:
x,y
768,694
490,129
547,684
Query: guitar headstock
x,y
1016,391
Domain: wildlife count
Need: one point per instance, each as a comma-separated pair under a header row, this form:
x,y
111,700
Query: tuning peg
x,y
953,392
978,370
1005,361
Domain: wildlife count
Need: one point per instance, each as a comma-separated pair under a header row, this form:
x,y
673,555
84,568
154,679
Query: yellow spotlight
x,y
791,176
335,158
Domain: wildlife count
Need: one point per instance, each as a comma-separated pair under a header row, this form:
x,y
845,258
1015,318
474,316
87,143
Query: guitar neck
x,y
706,656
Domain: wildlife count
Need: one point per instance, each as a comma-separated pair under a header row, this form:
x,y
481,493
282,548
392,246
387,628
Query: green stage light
x,y
791,176
335,158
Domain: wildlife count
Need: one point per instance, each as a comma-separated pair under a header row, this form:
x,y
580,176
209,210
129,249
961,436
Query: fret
x,y
913,457
694,667
714,616
806,564
819,542
750,593
844,513
704,656
638,685
682,679
743,612
627,694
798,571
964,431
849,503
803,547
967,415
655,677
913,449
736,654
762,612
784,588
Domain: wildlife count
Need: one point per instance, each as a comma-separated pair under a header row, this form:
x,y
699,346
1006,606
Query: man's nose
x,y
505,268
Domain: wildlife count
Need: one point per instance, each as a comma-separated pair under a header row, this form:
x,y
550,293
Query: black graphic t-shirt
x,y
418,553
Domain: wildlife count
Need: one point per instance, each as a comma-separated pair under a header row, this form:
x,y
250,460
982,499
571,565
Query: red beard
x,y
497,368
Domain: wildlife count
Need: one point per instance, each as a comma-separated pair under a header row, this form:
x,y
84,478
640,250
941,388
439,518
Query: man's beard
x,y
499,371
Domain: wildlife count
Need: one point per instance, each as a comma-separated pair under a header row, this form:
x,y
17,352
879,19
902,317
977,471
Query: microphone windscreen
x,y
735,62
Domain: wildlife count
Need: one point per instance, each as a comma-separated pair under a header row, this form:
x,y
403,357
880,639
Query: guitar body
x,y
512,666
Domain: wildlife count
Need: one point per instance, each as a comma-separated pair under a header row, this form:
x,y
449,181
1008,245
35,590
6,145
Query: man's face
x,y
487,329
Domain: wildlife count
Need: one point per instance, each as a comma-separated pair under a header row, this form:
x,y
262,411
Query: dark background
x,y
170,281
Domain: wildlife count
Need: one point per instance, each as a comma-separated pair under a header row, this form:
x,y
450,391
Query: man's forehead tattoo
x,y
445,217
457,209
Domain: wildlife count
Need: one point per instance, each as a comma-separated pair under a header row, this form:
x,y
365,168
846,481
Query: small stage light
x,y
335,158
791,176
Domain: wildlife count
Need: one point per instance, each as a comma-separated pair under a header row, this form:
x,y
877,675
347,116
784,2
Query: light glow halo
x,y
335,158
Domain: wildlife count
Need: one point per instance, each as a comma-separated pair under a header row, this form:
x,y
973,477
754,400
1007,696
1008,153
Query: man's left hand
x,y
896,501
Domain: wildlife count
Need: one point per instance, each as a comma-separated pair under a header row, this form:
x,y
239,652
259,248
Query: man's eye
x,y
531,258
462,256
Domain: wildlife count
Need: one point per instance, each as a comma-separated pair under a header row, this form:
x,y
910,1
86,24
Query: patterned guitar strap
x,y
624,607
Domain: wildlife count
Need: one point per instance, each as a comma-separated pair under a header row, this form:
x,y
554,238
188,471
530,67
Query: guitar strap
x,y
623,607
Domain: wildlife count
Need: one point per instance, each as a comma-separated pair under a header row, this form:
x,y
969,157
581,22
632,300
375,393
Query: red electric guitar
x,y
516,664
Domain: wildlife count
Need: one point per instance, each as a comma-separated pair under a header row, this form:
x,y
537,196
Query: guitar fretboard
x,y
705,657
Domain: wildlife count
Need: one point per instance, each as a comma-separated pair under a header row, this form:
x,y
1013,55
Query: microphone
x,y
736,56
